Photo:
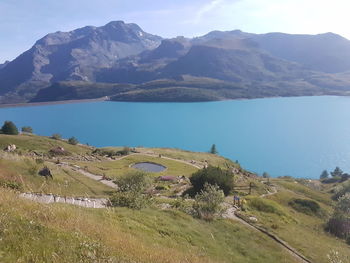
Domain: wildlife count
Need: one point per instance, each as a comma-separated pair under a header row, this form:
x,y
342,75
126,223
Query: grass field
x,y
113,169
34,232
24,171
302,231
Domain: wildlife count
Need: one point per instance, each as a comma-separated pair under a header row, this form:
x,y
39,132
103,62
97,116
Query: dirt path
x,y
90,175
232,213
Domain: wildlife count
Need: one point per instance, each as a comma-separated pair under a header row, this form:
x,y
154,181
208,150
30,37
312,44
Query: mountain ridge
x,y
122,53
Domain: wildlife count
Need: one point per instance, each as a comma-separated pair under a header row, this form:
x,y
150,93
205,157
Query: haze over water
x,y
282,136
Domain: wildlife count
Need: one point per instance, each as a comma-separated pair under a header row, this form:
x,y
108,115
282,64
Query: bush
x,y
214,176
305,206
125,151
56,136
27,129
73,141
208,202
341,190
131,191
9,128
339,223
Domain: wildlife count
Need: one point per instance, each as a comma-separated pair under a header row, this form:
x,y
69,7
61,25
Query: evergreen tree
x,y
9,128
337,172
324,175
213,149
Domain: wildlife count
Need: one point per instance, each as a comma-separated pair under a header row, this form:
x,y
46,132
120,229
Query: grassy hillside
x,y
62,233
294,210
299,226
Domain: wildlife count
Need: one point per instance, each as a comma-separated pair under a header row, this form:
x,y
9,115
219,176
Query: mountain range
x,y
125,63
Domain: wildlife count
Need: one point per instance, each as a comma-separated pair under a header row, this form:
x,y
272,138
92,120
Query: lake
x,y
283,136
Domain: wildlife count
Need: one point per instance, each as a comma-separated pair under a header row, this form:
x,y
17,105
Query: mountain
x,y
73,55
250,65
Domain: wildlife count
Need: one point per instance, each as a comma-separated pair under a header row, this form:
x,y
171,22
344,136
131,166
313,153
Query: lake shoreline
x,y
32,104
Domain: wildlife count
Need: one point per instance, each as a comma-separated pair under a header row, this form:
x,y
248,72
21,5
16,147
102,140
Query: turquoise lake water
x,y
282,136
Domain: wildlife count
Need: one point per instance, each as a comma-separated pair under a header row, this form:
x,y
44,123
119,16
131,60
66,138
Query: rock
x,y
45,172
253,219
10,148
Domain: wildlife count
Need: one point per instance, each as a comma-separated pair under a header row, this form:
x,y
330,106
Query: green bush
x,y
208,202
9,128
224,179
265,205
56,136
131,188
73,141
339,223
306,206
27,129
341,190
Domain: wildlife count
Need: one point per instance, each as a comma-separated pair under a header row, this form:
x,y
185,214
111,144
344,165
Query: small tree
x,y
73,141
324,175
9,128
131,191
56,136
208,202
213,149
27,129
337,172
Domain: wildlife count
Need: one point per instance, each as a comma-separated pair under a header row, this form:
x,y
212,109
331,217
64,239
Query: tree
x,y
56,136
324,175
213,149
267,176
208,202
27,129
73,141
9,128
337,172
224,179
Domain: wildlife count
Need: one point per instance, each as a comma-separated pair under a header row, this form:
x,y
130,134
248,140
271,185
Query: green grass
x,y
65,182
33,232
41,145
201,157
113,169
304,232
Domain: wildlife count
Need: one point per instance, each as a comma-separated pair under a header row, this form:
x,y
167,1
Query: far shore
x,y
30,104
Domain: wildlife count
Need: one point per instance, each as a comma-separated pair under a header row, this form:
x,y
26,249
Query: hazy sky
x,y
22,22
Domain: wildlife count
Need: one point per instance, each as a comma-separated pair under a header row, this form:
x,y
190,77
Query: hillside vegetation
x,y
164,231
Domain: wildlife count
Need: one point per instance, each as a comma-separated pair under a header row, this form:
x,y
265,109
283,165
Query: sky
x,y
23,22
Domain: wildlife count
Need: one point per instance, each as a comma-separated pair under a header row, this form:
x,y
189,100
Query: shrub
x,y
339,223
27,129
56,136
208,202
341,190
124,151
131,191
305,206
9,128
224,179
73,140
